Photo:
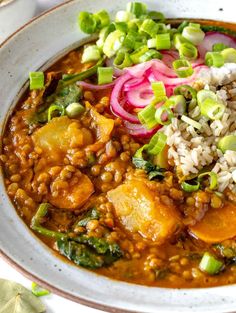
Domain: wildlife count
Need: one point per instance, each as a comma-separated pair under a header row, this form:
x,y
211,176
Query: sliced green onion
x,y
54,108
229,55
212,109
195,25
214,59
177,104
149,27
178,40
91,53
152,43
210,265
104,32
74,109
188,92
103,18
139,152
213,179
159,89
164,115
147,116
182,68
227,143
189,187
193,34
149,55
161,28
113,43
138,45
123,16
38,291
188,51
163,41
130,39
36,80
218,47
156,16
137,8
191,122
87,22
122,26
157,143
122,60
182,26
105,75
202,95
137,54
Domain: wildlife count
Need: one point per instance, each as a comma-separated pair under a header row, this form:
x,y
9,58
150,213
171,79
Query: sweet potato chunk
x,y
140,211
72,196
217,225
61,134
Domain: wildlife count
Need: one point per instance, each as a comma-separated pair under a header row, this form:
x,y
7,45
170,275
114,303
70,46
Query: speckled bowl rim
x,y
40,281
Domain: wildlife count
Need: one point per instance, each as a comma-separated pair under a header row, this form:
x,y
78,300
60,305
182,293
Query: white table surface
x,y
53,303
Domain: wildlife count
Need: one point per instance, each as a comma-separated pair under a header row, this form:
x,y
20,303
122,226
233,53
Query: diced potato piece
x,y
140,211
61,134
217,225
73,197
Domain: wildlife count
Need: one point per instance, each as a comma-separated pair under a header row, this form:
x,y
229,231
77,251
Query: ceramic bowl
x,y
35,46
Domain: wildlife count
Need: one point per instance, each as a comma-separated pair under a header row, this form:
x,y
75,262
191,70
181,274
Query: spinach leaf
x,y
80,254
152,170
14,298
92,214
65,95
89,252
216,28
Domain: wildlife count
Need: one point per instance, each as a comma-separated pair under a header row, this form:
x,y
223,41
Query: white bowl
x,y
53,34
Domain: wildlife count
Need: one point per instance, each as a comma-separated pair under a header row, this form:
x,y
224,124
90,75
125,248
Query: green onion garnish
x,y
213,179
227,143
105,75
210,265
202,95
149,55
149,27
214,59
38,291
178,40
147,116
229,55
191,122
36,80
152,43
55,108
123,16
137,8
87,22
113,43
74,109
130,39
103,18
189,93
218,47
159,89
164,115
177,104
122,60
212,109
188,187
156,16
188,51
157,143
182,68
163,41
193,34
137,54
91,53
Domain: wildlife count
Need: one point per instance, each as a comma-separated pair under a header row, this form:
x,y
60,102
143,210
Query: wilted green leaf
x,y
14,298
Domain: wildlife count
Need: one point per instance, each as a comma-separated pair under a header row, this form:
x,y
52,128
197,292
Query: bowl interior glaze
x,y
36,46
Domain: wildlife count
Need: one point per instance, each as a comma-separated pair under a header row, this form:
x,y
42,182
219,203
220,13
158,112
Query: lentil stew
x,y
90,187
